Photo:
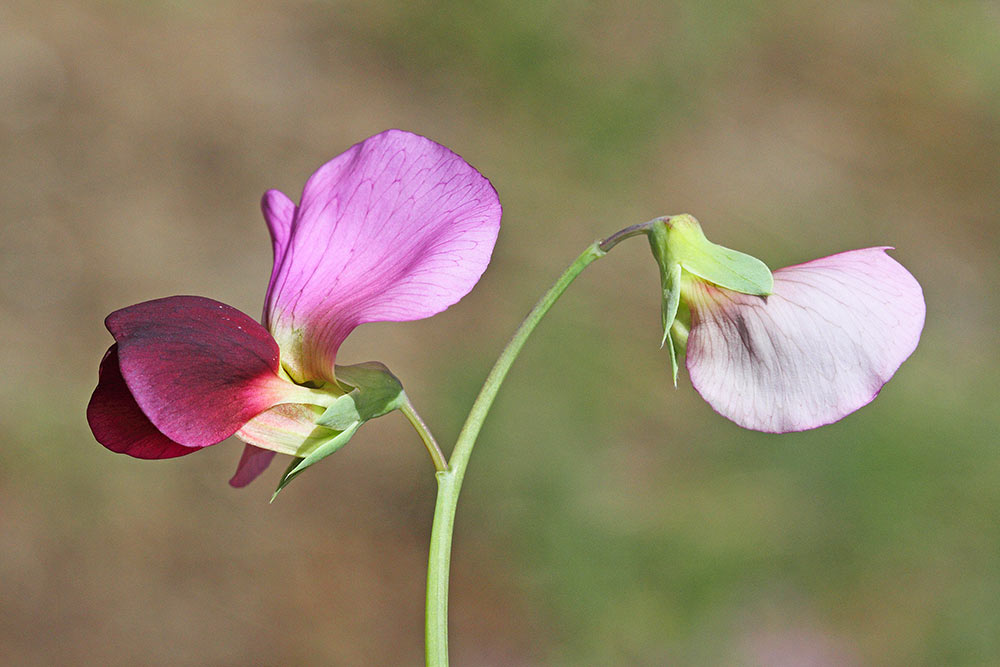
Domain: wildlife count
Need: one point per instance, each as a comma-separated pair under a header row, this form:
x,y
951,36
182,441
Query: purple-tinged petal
x,y
397,228
117,421
820,347
253,462
279,211
197,368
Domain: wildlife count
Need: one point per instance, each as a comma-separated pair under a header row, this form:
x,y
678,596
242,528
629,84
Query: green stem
x,y
450,480
477,415
438,567
437,456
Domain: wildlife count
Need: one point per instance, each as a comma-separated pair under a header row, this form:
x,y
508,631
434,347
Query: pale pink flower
x,y
821,345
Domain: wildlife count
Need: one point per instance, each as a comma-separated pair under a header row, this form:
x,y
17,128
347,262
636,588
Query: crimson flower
x,y
397,228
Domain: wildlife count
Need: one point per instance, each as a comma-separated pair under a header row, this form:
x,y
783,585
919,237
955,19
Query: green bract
x,y
679,246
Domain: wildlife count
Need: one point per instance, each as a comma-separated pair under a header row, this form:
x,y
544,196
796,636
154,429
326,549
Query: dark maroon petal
x,y
119,424
197,368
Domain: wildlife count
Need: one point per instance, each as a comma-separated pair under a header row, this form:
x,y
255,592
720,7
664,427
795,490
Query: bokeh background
x,y
607,518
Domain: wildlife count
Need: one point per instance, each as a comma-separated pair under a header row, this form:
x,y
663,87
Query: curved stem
x,y
437,456
450,480
484,401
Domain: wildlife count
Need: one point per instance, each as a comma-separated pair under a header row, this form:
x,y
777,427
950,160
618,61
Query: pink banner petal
x,y
397,228
117,421
197,368
820,347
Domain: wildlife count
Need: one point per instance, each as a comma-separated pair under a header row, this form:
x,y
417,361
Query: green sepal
x,y
298,465
729,269
670,284
372,391
679,336
679,245
673,356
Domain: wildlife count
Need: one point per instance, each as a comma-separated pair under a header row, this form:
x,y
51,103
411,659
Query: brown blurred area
x,y
606,515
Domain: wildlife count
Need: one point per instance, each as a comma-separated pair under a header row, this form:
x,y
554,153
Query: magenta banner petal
x,y
397,228
197,368
820,347
253,462
119,424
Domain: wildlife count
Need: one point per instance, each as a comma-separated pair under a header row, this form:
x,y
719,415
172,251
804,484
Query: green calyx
x,y
680,247
370,391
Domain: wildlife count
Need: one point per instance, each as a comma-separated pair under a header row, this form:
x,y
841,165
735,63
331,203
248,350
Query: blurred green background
x,y
607,518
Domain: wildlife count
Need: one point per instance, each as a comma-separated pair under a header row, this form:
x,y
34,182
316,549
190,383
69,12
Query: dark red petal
x,y
197,368
119,424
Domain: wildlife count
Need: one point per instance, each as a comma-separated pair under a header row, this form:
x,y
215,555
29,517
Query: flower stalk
x,y
418,424
720,282
450,481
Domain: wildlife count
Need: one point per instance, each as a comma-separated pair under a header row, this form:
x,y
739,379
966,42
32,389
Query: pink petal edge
x,y
834,331
279,211
396,228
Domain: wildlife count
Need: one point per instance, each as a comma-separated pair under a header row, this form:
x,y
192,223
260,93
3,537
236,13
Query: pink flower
x,y
832,332
397,228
